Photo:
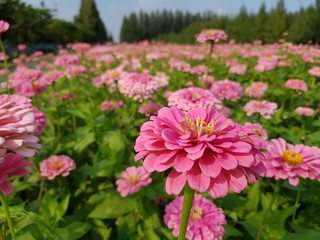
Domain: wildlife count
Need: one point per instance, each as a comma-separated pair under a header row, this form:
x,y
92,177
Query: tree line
x,y
267,26
38,25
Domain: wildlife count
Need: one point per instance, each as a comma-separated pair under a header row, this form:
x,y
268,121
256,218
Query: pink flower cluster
x,y
256,90
315,71
193,97
56,165
265,108
296,84
110,105
226,89
133,178
138,86
304,111
162,79
150,108
287,161
238,69
205,221
200,69
266,64
214,35
109,77
206,150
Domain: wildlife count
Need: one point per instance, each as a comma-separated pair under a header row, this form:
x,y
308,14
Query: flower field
x,y
124,128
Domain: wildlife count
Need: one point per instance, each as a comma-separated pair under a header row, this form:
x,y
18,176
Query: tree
x,y
89,17
260,28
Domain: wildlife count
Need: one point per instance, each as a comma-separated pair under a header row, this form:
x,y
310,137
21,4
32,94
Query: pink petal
x,y
237,180
182,163
227,161
175,182
209,165
197,180
218,186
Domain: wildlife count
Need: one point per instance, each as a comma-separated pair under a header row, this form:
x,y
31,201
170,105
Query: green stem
x,y
211,46
297,205
187,204
5,62
9,219
266,213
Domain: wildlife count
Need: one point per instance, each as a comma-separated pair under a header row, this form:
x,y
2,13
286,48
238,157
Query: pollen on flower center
x,y
56,164
197,127
292,157
133,179
196,213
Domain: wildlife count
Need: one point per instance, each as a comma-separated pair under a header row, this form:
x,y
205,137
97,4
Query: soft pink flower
x,y
110,105
226,89
207,150
214,35
66,60
162,79
56,165
287,161
305,111
315,71
40,120
206,80
75,70
266,64
193,97
4,26
13,165
205,221
200,69
17,124
257,130
109,77
256,90
265,108
133,178
21,47
149,108
138,86
81,47
238,69
296,84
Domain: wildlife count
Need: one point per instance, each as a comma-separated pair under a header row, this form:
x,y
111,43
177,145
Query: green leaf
x,y
85,142
231,232
74,230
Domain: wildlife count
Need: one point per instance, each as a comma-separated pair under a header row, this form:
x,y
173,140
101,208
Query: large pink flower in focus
x,y
287,161
226,89
209,151
205,221
13,165
56,165
133,178
17,124
194,97
214,35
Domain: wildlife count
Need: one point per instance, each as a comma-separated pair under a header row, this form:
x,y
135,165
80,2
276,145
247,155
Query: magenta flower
x,y
207,150
265,108
296,84
193,97
4,26
226,89
13,165
205,221
133,178
56,165
214,35
138,86
287,161
304,111
256,90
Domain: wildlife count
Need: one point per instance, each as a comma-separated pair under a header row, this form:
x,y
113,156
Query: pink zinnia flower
x,y
162,79
4,26
109,77
238,69
315,71
205,221
207,150
13,165
133,178
214,35
256,90
138,86
296,84
206,80
193,97
110,105
200,69
226,89
287,161
305,111
21,47
265,108
40,120
17,124
56,165
257,130
266,64
150,108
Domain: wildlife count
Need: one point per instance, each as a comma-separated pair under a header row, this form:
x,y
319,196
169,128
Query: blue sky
x,y
112,11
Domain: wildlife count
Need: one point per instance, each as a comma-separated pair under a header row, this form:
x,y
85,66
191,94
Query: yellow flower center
x,y
133,179
114,74
197,127
196,213
291,157
56,164
196,96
